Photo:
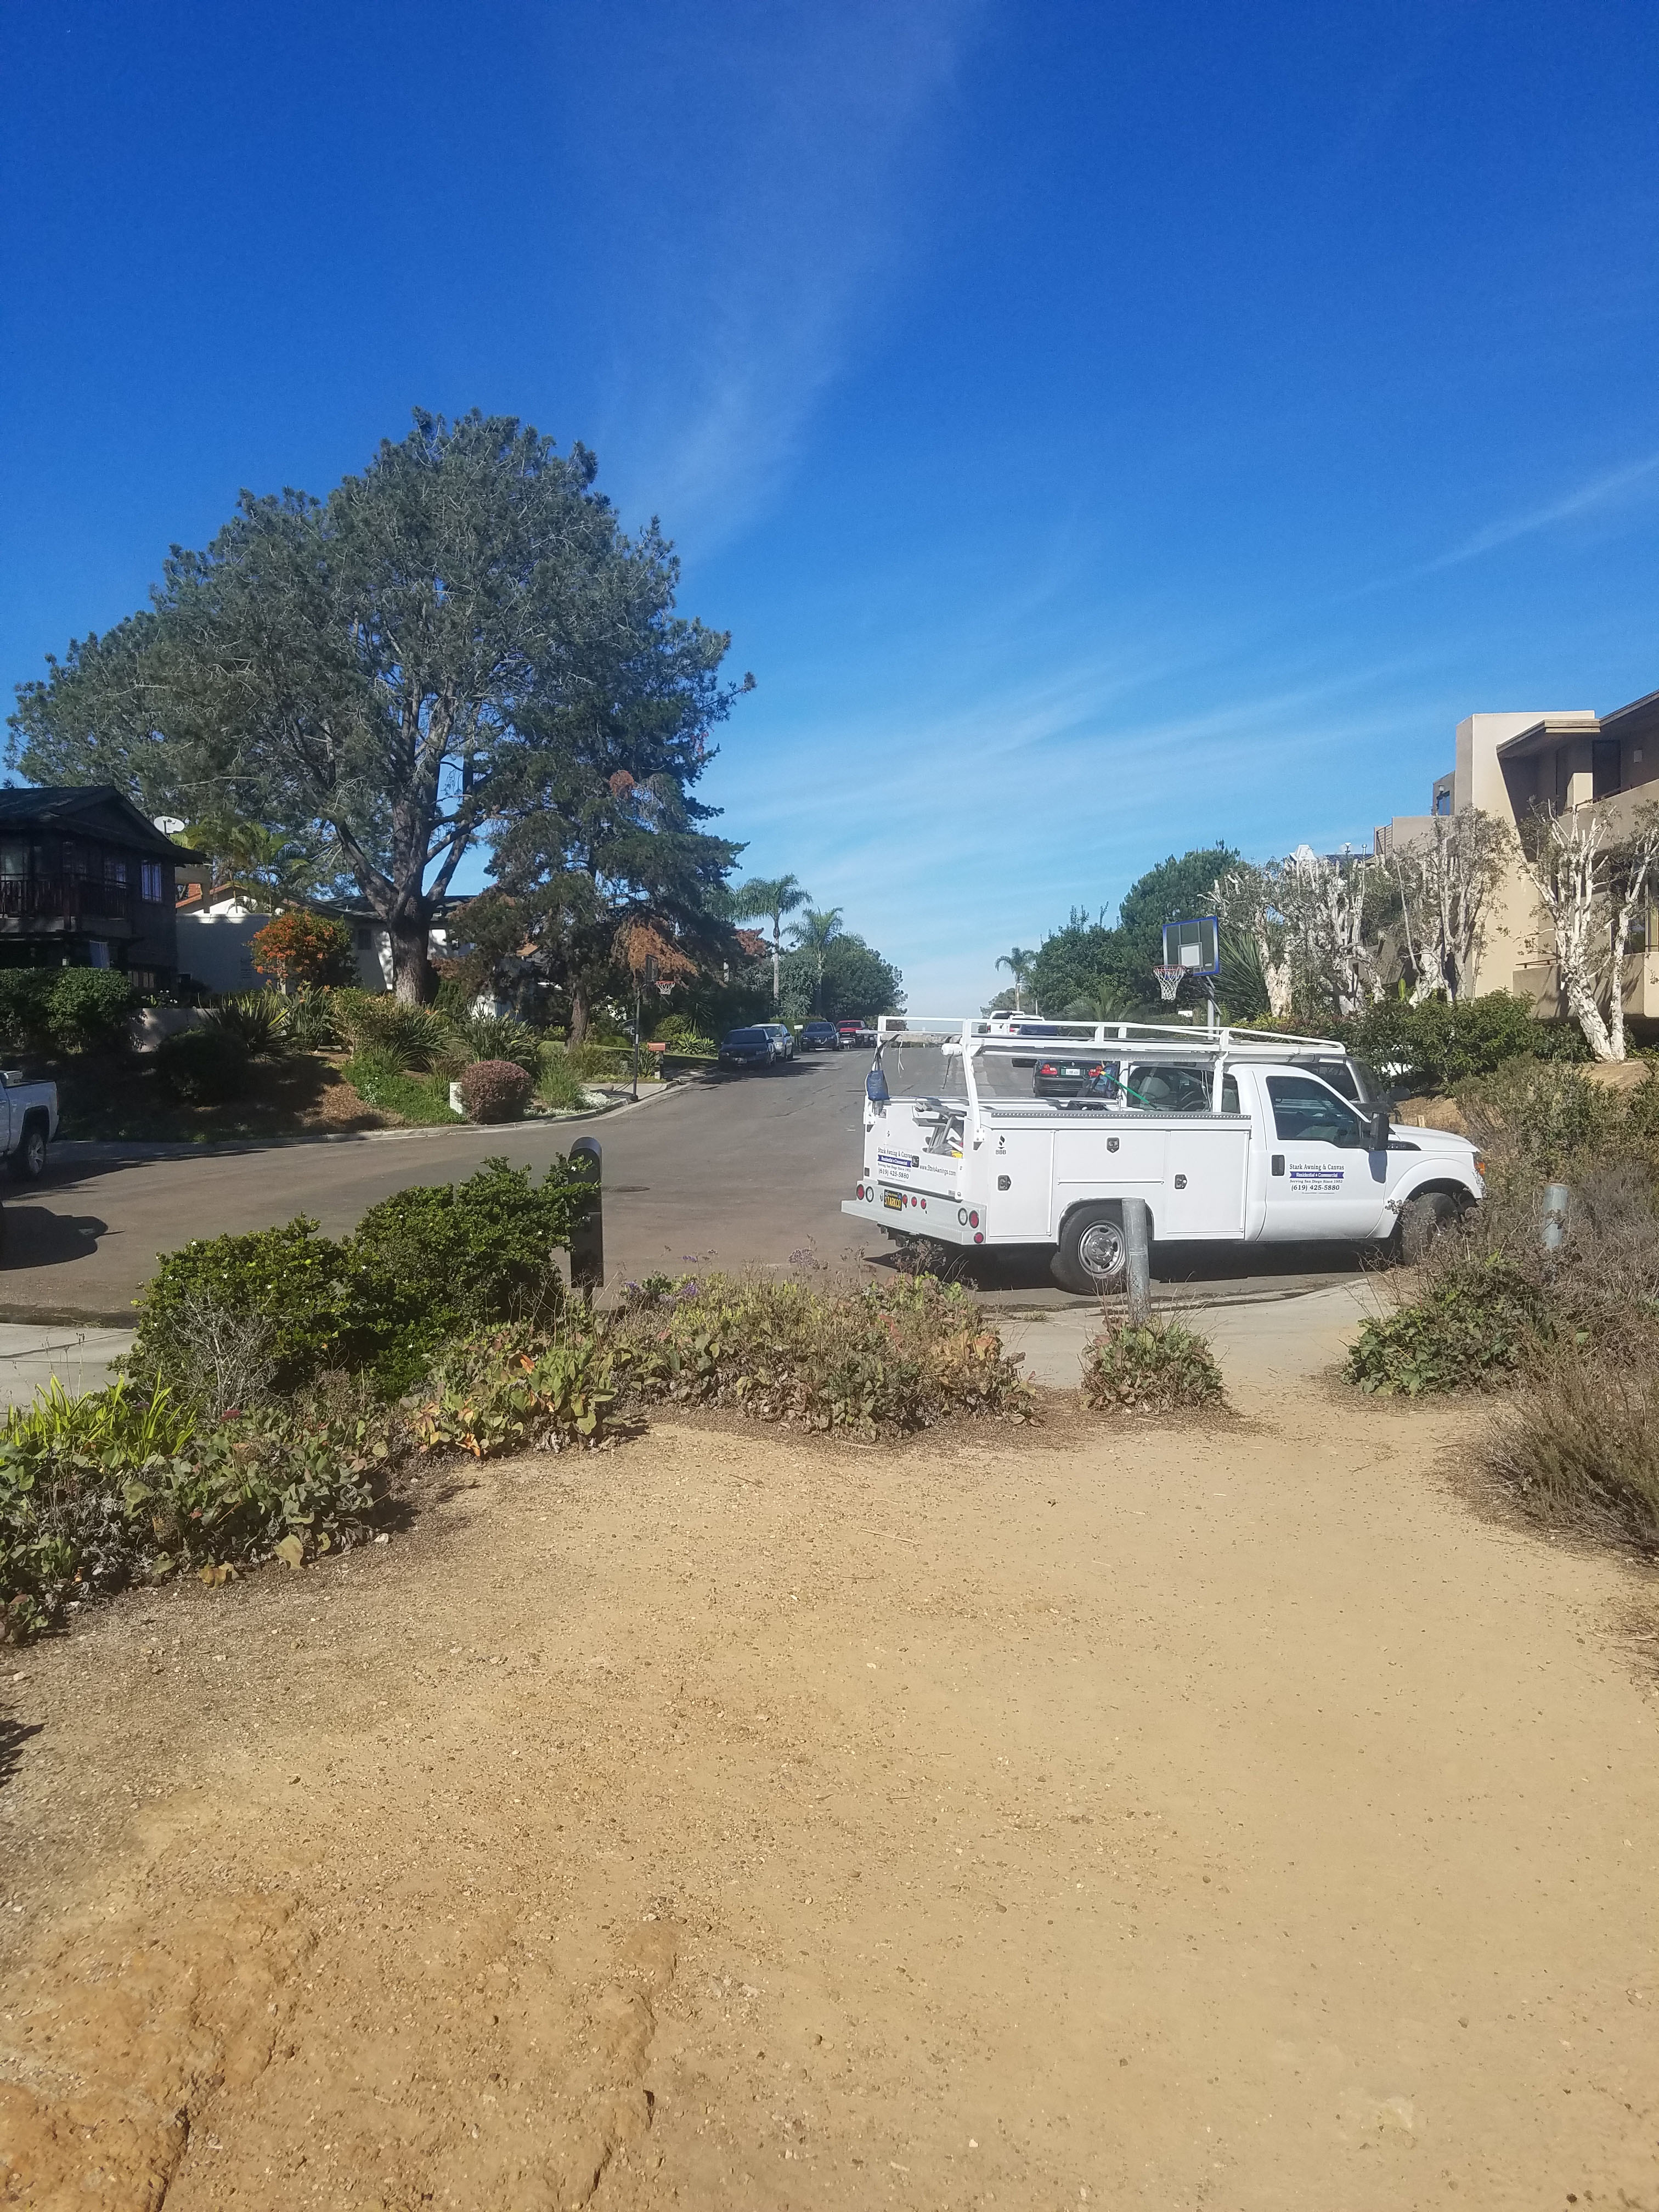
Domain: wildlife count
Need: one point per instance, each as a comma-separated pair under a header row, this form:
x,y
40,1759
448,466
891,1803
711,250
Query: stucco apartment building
x,y
1508,764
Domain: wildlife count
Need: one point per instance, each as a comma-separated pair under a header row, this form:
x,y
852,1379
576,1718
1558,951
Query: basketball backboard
x,y
1194,945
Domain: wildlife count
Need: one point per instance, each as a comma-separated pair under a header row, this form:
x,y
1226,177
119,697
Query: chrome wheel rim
x,y
1100,1249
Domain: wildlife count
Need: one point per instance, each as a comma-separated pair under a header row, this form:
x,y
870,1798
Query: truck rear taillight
x,y
973,1221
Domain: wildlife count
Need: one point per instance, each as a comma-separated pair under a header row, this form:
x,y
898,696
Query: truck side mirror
x,y
1377,1131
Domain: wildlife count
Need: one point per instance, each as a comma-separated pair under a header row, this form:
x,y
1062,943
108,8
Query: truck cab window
x,y
1306,1112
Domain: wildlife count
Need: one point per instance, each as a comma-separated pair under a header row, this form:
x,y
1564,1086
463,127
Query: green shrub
x,y
1477,1322
496,1036
599,1062
455,1257
558,1084
514,1389
300,1287
898,1358
1445,1045
494,1091
378,1079
87,1008
1150,1367
680,1033
231,1320
101,1491
1538,1117
63,1009
203,1067
257,1019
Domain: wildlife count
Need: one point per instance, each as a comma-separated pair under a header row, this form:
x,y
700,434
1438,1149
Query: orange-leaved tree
x,y
298,947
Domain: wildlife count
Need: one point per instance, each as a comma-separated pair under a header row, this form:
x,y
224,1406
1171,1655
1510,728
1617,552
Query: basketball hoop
x,y
1169,981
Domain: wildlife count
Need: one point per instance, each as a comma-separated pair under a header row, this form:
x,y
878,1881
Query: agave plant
x,y
308,1017
496,1036
415,1036
257,1019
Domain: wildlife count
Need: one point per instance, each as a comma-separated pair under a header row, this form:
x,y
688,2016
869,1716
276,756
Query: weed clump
x,y
1580,1448
125,1486
1475,1324
1150,1367
884,1360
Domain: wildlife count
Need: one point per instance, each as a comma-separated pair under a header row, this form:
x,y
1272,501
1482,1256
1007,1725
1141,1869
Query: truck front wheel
x,y
1092,1255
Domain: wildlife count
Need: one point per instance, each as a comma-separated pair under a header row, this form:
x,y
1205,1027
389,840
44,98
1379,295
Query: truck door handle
x,y
1278,1163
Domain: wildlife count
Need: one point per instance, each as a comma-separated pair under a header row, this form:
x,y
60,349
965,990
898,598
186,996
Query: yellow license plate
x,y
894,1201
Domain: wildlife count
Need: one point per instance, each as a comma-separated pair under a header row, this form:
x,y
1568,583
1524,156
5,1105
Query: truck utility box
x,y
1228,1135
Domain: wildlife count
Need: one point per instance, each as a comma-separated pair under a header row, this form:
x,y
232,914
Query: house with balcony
x,y
87,881
1511,765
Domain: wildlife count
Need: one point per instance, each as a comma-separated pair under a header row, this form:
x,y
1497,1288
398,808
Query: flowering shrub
x,y
494,1090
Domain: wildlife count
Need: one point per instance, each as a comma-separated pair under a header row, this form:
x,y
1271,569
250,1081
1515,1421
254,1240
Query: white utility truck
x,y
1228,1136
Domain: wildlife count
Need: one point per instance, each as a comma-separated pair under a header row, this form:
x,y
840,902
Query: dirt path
x,y
1219,1818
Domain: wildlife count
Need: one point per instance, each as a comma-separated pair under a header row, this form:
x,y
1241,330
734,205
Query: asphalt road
x,y
734,1171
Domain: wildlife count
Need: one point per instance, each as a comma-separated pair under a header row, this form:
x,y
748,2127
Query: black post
x,y
588,1230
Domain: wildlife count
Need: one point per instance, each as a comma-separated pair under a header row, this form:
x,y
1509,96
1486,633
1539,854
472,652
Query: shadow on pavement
x,y
35,1237
1301,1266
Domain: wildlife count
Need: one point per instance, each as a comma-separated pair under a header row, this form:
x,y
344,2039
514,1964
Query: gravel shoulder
x,y
1191,1814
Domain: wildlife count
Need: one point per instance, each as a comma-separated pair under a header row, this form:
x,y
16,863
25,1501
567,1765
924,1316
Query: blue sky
x,y
1104,429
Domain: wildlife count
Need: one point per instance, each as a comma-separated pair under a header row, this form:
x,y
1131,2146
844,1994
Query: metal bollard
x,y
588,1230
1557,1199
1137,1253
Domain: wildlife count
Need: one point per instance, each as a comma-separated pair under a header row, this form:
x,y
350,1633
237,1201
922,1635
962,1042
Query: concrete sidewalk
x,y
1260,1343
79,1358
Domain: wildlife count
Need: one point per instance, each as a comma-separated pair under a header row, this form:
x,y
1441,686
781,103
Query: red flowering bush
x,y
494,1091
304,948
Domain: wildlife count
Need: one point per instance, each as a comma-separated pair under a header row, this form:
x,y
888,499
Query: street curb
x,y
89,1150
1170,1295
26,1316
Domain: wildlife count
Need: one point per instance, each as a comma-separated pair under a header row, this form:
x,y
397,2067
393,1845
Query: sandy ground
x,y
1225,1816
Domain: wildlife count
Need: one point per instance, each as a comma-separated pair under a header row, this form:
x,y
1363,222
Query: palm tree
x,y
814,936
1018,964
768,898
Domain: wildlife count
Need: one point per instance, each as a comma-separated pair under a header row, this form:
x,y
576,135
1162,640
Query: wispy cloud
x,y
762,215
1602,491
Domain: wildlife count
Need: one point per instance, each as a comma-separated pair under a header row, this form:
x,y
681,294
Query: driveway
x,y
732,1171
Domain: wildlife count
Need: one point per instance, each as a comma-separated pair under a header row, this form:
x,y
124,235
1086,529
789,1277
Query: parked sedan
x,y
1064,1075
754,1048
783,1036
819,1037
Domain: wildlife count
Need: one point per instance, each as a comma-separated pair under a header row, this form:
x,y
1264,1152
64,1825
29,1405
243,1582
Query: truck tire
x,y
1423,1221
1092,1253
28,1162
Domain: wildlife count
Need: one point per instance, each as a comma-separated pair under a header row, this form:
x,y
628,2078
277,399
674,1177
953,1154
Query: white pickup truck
x,y
1229,1136
28,1122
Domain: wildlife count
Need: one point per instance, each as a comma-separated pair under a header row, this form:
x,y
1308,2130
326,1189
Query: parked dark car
x,y
1066,1074
747,1048
819,1037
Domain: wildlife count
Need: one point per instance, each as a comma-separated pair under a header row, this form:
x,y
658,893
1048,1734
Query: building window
x,y
97,953
115,872
149,879
1605,765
